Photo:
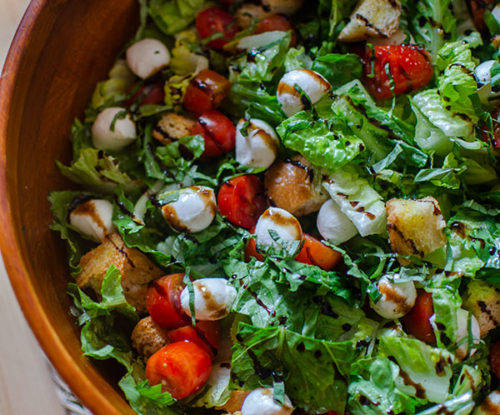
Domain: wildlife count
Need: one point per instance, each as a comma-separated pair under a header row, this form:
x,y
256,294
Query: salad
x,y
293,206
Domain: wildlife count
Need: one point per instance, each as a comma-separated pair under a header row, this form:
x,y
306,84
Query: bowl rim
x,y
10,241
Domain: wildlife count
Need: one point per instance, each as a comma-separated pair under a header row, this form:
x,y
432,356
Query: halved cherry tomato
x,y
495,359
242,200
204,335
314,252
478,8
218,131
163,301
147,95
410,68
206,91
182,368
214,21
417,322
279,23
251,249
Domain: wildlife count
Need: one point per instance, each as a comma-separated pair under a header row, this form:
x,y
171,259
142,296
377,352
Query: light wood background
x,y
26,387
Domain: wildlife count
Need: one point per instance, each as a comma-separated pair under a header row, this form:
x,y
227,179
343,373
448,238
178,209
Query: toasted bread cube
x,y
233,405
483,300
415,226
289,185
148,337
372,18
136,269
172,126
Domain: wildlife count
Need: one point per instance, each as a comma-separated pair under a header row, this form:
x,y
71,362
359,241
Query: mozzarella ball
x,y
463,333
496,13
213,298
259,147
483,79
93,218
193,211
260,402
283,223
147,57
490,406
333,224
312,83
106,136
397,299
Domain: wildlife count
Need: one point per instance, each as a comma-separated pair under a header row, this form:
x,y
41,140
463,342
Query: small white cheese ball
x,y
496,13
333,224
106,136
260,402
463,333
147,57
490,406
259,147
282,222
397,299
312,83
193,211
483,79
213,298
93,218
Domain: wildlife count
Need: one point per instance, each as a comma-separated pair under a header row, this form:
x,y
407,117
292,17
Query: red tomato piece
x,y
214,21
147,95
218,131
478,8
314,252
163,301
206,92
242,200
410,68
495,359
182,368
251,249
417,322
197,335
277,22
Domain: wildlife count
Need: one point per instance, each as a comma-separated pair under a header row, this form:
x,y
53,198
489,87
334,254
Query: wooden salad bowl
x,y
61,50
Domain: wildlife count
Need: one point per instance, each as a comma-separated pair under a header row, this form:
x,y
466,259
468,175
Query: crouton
x,y
233,405
483,300
372,18
136,269
415,226
172,126
148,337
289,185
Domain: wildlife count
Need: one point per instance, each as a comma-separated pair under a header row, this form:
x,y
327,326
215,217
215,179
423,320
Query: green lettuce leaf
x,y
313,370
172,16
427,370
358,201
317,142
337,68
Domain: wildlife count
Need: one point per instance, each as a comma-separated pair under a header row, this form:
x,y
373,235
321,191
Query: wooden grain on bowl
x,y
61,50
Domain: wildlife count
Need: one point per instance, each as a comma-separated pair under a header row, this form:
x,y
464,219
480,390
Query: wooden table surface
x,y
26,387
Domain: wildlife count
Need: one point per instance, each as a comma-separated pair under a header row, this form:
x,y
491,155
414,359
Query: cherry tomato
x,y
417,321
182,368
204,335
163,301
410,68
206,91
218,131
495,359
478,8
314,252
214,21
279,23
147,95
242,200
251,249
